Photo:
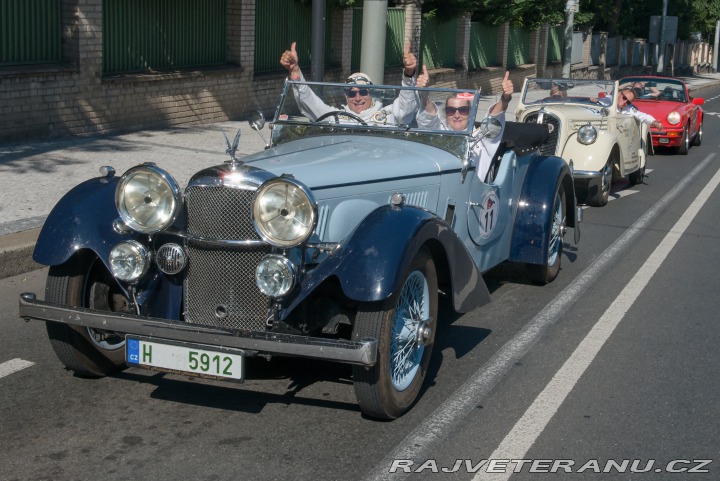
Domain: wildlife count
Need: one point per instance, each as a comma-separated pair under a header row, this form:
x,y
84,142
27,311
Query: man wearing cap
x,y
457,117
359,101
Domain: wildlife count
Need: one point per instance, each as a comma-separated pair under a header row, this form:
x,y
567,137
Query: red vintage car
x,y
669,101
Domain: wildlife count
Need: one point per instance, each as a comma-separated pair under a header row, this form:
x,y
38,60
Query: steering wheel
x,y
338,113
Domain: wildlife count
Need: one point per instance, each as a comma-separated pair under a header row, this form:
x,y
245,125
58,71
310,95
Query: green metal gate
x,y
29,31
394,37
483,45
279,23
148,35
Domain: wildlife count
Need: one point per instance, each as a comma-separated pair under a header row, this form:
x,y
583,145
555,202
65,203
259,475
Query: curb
x,y
16,253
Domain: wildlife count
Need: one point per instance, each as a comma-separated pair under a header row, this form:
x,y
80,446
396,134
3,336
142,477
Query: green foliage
x,y
618,17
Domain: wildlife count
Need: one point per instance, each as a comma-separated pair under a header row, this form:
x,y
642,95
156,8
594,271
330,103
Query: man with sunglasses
x,y
359,100
457,117
625,106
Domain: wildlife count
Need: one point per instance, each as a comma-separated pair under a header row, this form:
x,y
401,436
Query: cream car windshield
x,y
374,107
568,91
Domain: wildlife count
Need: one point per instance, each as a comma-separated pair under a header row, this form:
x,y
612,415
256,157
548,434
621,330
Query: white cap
x,y
359,78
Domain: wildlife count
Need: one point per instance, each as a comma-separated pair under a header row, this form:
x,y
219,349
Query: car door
x,y
628,134
490,213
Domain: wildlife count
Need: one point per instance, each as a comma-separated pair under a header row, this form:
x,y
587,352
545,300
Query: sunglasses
x,y
352,93
626,99
465,110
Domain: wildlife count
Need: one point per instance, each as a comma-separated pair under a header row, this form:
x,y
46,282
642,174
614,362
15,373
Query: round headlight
x,y
284,212
129,261
147,199
673,118
275,276
587,134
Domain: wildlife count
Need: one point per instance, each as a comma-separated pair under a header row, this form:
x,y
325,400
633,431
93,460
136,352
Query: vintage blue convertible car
x,y
334,243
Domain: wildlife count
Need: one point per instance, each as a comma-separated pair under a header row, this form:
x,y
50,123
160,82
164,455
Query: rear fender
x,y
371,261
529,241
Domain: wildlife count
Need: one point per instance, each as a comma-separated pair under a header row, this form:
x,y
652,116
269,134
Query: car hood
x,y
658,108
347,160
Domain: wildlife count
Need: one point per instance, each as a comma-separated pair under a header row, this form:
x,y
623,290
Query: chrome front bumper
x,y
363,352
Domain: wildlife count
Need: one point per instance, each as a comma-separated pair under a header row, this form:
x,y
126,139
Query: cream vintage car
x,y
588,132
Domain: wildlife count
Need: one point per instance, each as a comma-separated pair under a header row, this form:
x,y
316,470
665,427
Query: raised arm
x,y
507,91
308,102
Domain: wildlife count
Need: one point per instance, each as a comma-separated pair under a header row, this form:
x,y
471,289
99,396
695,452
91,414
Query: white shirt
x,y
482,153
400,112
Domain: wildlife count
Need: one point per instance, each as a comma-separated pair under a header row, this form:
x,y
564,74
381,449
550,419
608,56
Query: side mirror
x,y
698,101
256,120
490,128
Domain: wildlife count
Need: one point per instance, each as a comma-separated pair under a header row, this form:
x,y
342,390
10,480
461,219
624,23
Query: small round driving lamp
x,y
284,212
129,261
587,134
275,276
147,199
673,118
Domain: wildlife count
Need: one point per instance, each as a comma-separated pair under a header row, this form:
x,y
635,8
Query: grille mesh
x,y
220,213
220,285
549,147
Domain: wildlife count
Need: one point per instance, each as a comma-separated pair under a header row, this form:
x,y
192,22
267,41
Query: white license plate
x,y
202,361
664,141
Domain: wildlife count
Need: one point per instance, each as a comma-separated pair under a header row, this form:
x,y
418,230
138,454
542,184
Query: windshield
x,y
568,91
444,118
373,106
654,88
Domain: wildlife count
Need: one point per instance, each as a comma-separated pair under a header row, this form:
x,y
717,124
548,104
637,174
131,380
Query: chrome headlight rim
x,y
587,134
284,263
674,117
173,189
141,253
308,202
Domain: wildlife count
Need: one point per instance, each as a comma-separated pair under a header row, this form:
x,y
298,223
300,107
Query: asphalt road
x,y
614,362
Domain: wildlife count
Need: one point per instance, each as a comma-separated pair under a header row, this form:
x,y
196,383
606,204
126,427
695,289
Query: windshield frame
x,y
589,92
289,124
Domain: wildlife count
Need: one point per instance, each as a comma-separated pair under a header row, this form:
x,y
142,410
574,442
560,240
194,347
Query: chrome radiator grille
x,y
220,285
550,146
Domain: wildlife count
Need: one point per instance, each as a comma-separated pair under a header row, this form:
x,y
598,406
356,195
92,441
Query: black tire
x,y
545,273
637,177
81,282
697,140
379,394
685,145
599,188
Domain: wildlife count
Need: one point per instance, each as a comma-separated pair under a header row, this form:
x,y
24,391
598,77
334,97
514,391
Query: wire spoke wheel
x,y
404,326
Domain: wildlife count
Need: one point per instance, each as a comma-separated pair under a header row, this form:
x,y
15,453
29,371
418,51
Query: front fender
x,y
532,222
82,219
591,157
370,263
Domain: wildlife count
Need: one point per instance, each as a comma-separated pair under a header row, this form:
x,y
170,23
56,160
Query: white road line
x,y
13,365
419,443
518,441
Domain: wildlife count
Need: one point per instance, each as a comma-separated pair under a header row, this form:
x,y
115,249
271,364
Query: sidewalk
x,y
35,174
